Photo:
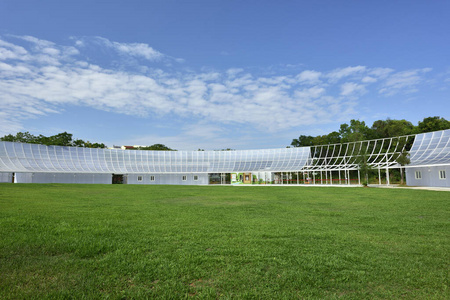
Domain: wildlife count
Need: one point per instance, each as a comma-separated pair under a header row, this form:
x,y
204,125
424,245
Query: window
x,y
418,175
442,174
184,177
195,177
139,178
152,178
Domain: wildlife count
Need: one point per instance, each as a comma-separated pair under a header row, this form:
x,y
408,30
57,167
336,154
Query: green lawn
x,y
125,241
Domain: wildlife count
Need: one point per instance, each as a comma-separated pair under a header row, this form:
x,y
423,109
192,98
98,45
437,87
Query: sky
x,y
219,74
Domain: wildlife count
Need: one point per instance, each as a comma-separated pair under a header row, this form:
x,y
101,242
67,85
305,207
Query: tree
x,y
156,147
391,128
362,160
356,131
303,141
433,124
334,138
403,160
20,137
60,139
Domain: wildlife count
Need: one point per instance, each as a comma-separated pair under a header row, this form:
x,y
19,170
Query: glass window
x,y
195,177
152,178
418,175
184,177
442,174
139,178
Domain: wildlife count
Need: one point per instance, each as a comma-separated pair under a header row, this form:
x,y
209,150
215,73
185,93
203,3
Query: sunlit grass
x,y
124,241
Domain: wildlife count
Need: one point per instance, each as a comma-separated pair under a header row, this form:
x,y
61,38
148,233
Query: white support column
x,y
379,176
387,176
359,178
321,180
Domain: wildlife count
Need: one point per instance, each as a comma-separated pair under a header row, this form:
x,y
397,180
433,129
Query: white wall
x,y
5,177
202,179
430,176
63,178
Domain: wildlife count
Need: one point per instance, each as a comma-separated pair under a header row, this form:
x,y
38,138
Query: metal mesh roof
x,y
425,149
432,148
20,157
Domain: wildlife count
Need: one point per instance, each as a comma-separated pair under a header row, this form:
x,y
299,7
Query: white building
x,y
326,164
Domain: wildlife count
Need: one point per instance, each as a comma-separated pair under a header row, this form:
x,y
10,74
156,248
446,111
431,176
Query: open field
x,y
129,241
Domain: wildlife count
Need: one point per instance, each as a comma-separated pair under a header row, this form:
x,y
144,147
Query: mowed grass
x,y
171,242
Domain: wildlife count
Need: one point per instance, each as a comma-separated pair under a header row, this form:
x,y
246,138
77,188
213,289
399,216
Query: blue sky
x,y
219,74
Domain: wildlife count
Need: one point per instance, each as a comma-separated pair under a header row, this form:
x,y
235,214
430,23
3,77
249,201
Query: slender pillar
x,y
379,176
359,178
387,176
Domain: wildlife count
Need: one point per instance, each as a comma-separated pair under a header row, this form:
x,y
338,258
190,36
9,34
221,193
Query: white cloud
x,y
309,76
132,49
351,88
369,79
44,77
405,81
340,73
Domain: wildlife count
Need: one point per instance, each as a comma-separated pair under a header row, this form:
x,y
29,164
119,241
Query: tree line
x,y
358,130
60,139
66,139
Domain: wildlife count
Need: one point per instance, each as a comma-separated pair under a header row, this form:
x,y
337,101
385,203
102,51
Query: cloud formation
x,y
39,77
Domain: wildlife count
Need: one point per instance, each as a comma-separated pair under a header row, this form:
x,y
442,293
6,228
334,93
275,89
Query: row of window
x,y
152,178
442,174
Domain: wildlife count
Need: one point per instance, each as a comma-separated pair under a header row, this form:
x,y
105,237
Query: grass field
x,y
129,241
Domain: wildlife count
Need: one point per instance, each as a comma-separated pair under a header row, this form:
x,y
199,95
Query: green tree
x,y
303,141
433,124
356,131
60,139
403,160
20,137
362,160
391,128
333,138
157,147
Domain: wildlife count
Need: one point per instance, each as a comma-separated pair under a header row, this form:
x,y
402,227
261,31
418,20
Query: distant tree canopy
x,y
155,147
65,139
358,130
60,139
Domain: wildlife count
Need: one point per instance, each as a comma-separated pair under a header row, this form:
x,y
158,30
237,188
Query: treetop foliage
x,y
358,130
155,147
66,139
60,139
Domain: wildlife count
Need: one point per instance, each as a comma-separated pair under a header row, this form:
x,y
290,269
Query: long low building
x,y
327,164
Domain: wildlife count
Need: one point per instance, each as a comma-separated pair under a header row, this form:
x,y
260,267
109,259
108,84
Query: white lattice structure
x,y
316,164
19,157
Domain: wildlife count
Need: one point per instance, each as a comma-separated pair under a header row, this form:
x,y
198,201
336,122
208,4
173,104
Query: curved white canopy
x,y
20,157
431,148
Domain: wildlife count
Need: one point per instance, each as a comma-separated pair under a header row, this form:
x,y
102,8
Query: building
x,y
430,160
326,164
